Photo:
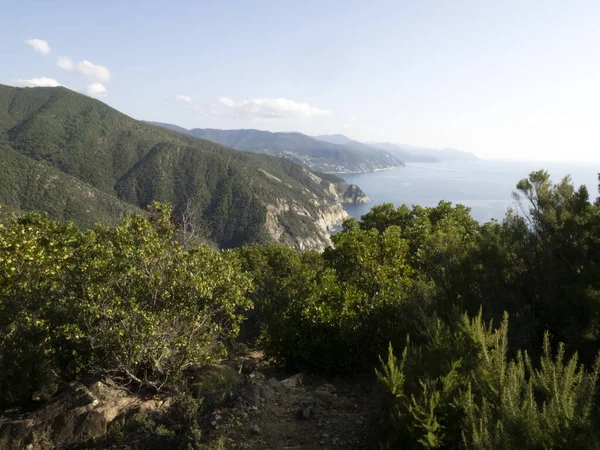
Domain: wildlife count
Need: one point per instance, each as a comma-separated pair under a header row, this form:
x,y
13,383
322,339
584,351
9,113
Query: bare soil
x,y
300,411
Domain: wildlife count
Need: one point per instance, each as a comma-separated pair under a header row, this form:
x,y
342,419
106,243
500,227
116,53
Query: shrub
x,y
127,301
336,311
483,400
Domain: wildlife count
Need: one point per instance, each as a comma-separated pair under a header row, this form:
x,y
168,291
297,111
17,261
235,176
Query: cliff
x,y
351,193
324,215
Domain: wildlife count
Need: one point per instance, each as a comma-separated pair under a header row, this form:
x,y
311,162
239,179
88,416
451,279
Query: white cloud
x,y
94,72
96,90
347,126
226,101
258,108
64,62
184,99
39,45
36,82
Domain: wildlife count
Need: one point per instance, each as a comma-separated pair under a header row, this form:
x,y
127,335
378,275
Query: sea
x,y
485,186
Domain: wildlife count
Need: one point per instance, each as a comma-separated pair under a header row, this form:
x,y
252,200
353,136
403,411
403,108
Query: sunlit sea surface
x,y
484,186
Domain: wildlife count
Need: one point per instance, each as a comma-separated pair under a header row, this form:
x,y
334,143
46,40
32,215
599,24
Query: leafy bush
x,y
126,300
335,311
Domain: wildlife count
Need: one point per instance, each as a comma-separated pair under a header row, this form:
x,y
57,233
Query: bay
x,y
485,186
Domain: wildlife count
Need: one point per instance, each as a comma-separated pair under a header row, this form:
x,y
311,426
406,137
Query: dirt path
x,y
276,410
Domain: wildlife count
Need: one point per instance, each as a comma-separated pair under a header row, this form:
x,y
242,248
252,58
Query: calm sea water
x,y
484,186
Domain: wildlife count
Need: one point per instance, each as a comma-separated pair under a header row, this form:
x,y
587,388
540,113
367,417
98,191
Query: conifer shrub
x,y
474,395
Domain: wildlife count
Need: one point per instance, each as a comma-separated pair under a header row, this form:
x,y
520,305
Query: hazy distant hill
x,y
357,146
411,153
78,159
313,153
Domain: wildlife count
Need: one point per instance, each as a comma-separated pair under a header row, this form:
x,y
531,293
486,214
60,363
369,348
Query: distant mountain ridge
x,y
312,152
80,160
340,139
412,153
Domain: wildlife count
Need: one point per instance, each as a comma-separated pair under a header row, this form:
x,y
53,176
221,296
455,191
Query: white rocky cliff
x,y
318,221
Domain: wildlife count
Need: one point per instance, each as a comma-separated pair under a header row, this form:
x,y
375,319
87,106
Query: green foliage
x,y
392,372
332,312
315,154
410,270
127,301
340,309
549,407
131,301
493,402
79,160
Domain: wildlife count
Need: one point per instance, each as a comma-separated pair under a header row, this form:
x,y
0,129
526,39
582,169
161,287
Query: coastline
x,y
350,172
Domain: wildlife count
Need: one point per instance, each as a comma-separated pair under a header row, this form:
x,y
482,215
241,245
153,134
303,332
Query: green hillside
x,y
35,185
313,153
80,160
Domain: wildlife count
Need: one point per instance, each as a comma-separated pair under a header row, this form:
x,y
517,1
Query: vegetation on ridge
x,y
482,336
314,153
78,159
465,379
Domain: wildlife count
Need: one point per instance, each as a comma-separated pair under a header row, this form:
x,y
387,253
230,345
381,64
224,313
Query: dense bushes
x,y
126,300
399,265
130,301
416,271
464,390
339,310
335,311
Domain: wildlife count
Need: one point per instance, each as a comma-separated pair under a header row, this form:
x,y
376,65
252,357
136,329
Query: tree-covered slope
x,y
313,153
84,147
27,184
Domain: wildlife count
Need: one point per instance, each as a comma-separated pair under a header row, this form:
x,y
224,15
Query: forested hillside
x,y
313,153
80,160
481,336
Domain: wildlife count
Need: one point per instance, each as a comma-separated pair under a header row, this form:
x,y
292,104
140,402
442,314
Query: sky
x,y
502,79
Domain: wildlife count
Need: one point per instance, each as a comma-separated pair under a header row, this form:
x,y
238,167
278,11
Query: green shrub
x,y
336,311
485,400
127,301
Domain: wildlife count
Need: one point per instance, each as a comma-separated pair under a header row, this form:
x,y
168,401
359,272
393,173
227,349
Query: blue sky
x,y
509,79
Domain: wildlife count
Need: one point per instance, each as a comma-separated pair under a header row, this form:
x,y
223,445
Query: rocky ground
x,y
260,407
301,411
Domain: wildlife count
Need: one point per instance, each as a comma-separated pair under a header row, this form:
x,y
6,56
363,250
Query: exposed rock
x,y
322,218
255,429
307,412
77,413
258,376
324,397
351,193
255,394
293,381
269,176
275,384
327,388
